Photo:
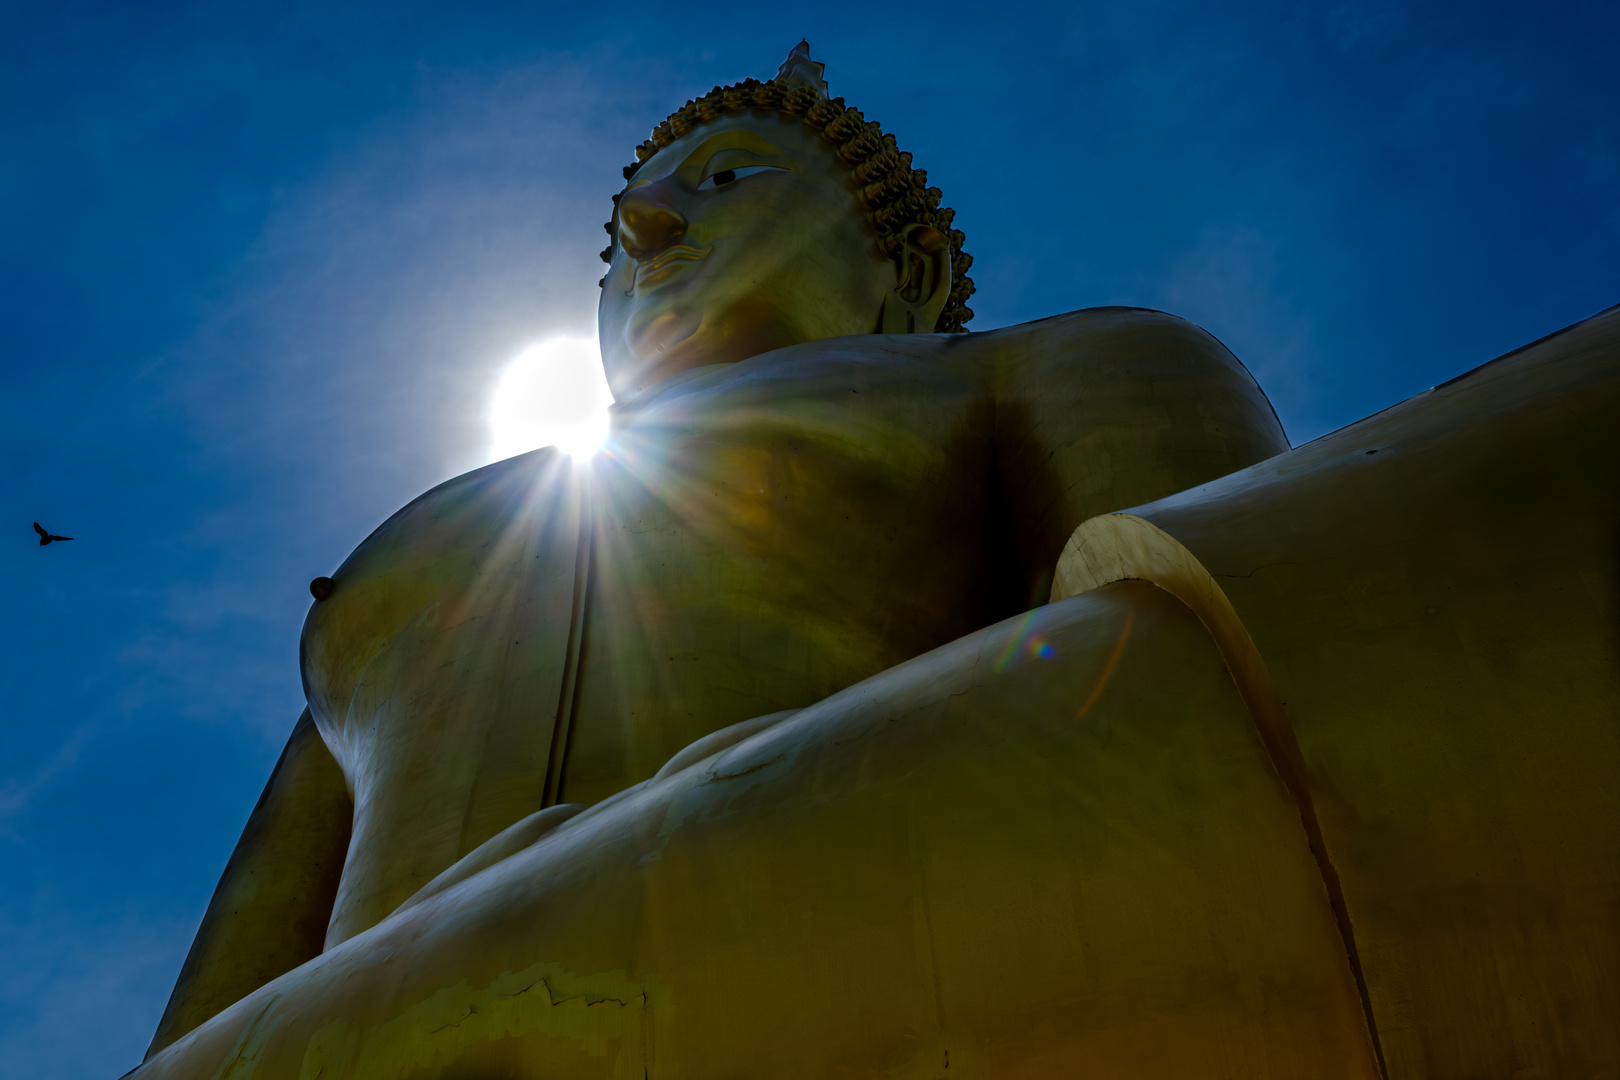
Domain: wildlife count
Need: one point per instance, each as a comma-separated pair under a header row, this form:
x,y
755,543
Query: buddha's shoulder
x,y
1122,344
1096,345
464,514
1123,367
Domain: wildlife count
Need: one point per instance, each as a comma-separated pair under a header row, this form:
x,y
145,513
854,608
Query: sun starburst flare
x,y
553,393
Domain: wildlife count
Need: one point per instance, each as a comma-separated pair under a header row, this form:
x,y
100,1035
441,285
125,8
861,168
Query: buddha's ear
x,y
922,274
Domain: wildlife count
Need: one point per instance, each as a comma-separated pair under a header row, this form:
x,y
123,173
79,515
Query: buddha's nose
x,y
648,223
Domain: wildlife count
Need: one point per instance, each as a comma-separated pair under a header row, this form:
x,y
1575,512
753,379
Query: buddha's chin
x,y
670,341
663,345
661,332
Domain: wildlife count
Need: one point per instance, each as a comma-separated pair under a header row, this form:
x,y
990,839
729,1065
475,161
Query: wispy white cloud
x,y
16,795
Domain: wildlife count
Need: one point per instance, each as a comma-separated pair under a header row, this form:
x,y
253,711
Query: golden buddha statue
x,y
889,700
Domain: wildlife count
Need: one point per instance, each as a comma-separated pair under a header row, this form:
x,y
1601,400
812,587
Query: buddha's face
x,y
742,236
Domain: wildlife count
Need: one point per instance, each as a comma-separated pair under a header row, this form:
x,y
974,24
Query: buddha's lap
x,y
1058,836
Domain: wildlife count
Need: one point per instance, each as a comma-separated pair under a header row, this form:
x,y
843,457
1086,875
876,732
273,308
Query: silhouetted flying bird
x,y
45,537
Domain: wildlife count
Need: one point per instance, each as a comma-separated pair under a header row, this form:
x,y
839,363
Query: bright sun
x,y
553,393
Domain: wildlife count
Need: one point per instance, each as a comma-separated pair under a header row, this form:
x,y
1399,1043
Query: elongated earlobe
x,y
922,274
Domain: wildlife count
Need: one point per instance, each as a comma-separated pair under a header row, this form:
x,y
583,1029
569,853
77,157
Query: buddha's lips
x,y
673,254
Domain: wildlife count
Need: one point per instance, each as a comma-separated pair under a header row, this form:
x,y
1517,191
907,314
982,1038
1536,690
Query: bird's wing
x,y
61,537
40,529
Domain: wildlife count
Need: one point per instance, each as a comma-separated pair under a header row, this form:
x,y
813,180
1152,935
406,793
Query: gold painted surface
x,y
1434,593
975,857
1124,547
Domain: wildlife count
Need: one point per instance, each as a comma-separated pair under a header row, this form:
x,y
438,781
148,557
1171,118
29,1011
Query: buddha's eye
x,y
731,176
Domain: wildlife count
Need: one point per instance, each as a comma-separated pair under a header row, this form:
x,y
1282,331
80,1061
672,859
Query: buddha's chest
x,y
763,541
829,490
825,475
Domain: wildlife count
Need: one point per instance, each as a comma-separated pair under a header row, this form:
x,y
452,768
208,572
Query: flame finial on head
x,y
799,70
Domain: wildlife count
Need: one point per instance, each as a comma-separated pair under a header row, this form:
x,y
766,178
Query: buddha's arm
x,y
1108,408
270,909
434,672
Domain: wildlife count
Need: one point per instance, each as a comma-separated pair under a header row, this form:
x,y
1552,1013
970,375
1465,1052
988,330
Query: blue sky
x,y
263,263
